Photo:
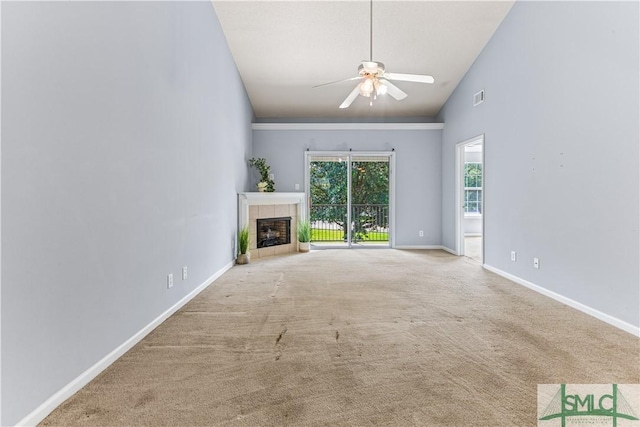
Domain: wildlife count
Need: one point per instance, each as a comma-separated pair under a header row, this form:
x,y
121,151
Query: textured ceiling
x,y
283,48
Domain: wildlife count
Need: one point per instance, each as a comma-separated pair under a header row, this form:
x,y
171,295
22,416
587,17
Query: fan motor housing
x,y
371,68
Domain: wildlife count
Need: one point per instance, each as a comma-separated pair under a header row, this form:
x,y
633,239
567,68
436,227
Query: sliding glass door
x,y
349,199
370,200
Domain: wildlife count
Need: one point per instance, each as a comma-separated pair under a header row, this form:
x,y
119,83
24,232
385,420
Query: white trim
x,y
422,247
392,199
307,184
347,126
613,321
349,206
272,198
41,412
0,229
459,191
457,197
446,249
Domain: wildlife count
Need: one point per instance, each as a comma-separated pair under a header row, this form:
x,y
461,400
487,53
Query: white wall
x,y
125,134
561,125
418,170
473,225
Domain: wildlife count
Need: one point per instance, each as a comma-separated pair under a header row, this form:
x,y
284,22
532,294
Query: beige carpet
x,y
355,337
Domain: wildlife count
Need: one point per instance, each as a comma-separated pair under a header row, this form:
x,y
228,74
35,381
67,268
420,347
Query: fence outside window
x,y
369,223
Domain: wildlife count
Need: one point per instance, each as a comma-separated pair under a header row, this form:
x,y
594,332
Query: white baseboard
x,y
451,251
41,412
444,248
418,247
613,321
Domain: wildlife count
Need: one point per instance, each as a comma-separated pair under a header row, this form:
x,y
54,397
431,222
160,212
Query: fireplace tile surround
x,y
255,205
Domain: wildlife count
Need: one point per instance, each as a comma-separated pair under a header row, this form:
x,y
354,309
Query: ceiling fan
x,y
374,79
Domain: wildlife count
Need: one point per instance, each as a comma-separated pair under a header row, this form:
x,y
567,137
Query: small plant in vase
x,y
304,236
266,183
244,256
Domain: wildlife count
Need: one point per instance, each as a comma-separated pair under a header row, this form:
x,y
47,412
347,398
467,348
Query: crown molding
x,y
347,126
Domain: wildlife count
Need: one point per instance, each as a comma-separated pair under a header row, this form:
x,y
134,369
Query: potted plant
x,y
266,183
244,256
304,235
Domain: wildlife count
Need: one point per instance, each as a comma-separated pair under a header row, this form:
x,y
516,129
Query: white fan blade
x,y
394,90
339,81
409,77
352,96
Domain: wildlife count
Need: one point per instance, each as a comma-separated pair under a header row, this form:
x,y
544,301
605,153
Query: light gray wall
x,y
125,134
418,169
561,149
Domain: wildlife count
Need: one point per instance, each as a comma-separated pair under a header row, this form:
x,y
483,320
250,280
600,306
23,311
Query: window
x,y
473,188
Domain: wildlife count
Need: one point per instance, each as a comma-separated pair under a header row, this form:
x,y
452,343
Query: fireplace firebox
x,y
273,231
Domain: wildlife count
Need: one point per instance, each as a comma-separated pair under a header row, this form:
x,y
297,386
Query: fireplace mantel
x,y
263,198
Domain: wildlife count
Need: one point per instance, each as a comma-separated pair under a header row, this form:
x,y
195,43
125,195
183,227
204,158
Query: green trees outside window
x,y
473,188
369,199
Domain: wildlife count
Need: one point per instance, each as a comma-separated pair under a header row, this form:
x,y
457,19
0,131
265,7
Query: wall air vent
x,y
478,98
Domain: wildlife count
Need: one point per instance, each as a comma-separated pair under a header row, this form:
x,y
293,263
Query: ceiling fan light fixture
x,y
367,87
381,88
374,80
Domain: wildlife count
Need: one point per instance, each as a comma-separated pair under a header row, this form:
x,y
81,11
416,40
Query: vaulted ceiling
x,y
284,48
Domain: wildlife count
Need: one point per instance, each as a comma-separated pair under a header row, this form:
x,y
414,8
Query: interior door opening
x,y
469,197
350,199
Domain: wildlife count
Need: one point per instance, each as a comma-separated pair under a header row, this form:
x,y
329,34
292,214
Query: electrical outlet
x,y
272,176
169,280
184,273
297,186
536,263
421,233
513,256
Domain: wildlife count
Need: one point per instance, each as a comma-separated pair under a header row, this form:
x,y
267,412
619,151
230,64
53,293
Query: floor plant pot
x,y
304,246
244,258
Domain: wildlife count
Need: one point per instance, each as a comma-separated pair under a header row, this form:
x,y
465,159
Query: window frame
x,y
479,192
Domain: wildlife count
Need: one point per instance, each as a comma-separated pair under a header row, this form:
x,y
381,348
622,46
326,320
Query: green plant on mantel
x,y
265,171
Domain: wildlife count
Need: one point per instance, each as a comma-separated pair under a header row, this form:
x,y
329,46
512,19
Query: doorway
x,y
350,199
470,198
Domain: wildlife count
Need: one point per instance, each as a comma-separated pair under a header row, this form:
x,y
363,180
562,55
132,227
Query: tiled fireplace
x,y
272,208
